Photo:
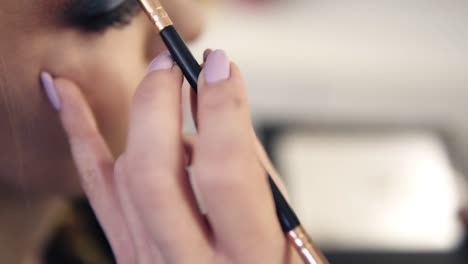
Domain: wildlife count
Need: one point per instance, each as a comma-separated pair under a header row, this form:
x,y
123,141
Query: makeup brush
x,y
174,43
288,220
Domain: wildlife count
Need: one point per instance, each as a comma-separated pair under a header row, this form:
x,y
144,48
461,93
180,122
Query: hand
x,y
464,217
144,199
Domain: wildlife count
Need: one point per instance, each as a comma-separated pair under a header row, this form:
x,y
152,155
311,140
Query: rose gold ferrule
x,y
304,245
156,13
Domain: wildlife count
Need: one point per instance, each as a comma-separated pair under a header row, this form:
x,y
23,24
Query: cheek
x,y
109,94
108,89
108,70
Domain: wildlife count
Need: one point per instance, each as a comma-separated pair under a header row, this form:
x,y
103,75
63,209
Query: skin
x,y
36,167
96,82
38,42
142,208
143,197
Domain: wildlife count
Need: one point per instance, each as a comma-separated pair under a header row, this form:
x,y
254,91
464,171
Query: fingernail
x,y
217,67
162,62
50,90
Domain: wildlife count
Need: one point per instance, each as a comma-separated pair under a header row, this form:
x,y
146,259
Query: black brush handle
x,y
191,70
182,55
286,215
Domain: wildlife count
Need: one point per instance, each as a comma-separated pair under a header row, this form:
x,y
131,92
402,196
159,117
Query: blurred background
x,y
362,106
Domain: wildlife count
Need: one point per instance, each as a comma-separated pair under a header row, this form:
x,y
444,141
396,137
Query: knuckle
x,y
94,173
155,85
226,97
159,151
89,136
153,172
224,169
220,149
143,164
150,184
219,180
152,190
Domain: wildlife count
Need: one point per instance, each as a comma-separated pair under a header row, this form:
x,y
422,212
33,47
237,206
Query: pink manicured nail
x,y
217,67
49,90
162,62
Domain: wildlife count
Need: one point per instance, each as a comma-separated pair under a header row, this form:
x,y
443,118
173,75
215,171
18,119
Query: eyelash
x,y
118,17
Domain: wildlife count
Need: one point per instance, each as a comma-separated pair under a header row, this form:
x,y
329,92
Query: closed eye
x,y
99,15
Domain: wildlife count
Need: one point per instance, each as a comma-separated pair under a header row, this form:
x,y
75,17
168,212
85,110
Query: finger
x,y
154,160
263,156
95,165
232,182
146,251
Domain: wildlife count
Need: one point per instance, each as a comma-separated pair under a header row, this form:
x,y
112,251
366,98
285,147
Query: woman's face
x,y
106,55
